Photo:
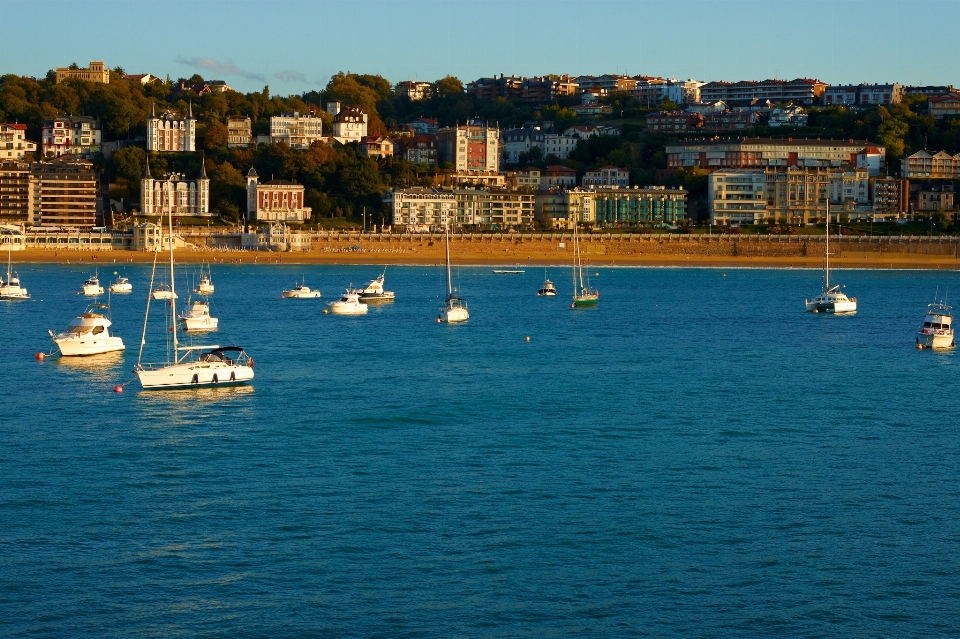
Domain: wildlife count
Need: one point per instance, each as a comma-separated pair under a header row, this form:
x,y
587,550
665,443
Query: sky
x,y
295,46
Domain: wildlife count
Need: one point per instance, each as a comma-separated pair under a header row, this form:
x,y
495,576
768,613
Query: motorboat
x,y
583,294
214,366
10,289
301,292
197,318
348,304
164,292
454,308
122,285
373,292
937,328
92,286
88,334
831,298
205,285
547,289
509,271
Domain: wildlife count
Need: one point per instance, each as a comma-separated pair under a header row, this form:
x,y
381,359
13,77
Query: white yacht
x,y
10,288
164,292
88,334
547,289
197,318
348,304
214,366
937,329
122,285
454,309
831,298
92,286
301,292
205,286
373,292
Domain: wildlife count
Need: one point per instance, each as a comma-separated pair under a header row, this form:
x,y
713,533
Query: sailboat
x,y
454,309
831,299
10,289
214,366
583,294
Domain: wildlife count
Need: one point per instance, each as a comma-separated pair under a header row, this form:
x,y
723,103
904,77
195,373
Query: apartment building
x,y
66,192
470,147
674,122
652,205
239,132
852,94
559,209
607,83
376,146
297,130
96,72
14,143
798,91
557,176
420,149
513,142
175,194
425,126
275,200
17,186
528,179
652,90
890,197
937,197
944,105
424,209
71,135
349,123
788,116
413,89
606,176
558,145
420,208
931,166
171,132
744,153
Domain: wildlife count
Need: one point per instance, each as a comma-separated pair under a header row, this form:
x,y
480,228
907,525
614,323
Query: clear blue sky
x,y
297,46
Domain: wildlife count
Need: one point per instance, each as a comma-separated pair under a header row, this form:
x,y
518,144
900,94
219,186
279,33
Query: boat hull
x,y
74,347
289,295
194,375
93,290
376,298
935,338
454,315
347,309
200,324
121,288
583,301
14,296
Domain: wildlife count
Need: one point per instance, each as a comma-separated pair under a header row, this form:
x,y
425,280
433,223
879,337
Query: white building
x,y
171,132
298,130
14,143
559,145
606,176
275,200
349,123
414,90
682,91
790,115
175,194
419,208
513,142
71,135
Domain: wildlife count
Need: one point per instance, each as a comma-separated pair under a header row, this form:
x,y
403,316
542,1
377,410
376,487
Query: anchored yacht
x,y
831,298
301,292
348,304
373,292
164,292
88,334
937,328
92,286
205,286
454,309
547,289
122,285
197,318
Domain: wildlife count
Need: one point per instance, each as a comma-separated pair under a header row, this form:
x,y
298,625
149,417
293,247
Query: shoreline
x,y
553,259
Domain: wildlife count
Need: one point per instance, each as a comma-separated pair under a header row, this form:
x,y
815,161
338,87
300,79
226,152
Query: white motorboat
x,y
214,366
122,285
197,318
301,292
937,328
88,334
831,298
547,289
92,286
373,292
454,309
10,289
348,304
205,286
164,292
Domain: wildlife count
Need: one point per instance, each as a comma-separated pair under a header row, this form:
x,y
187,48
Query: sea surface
x,y
695,457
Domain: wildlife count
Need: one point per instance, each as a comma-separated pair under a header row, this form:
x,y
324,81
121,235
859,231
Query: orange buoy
x,y
118,389
40,356
528,338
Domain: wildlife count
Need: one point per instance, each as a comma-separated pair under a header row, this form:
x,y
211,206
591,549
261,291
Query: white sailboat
x,y
831,298
454,308
583,294
88,334
10,288
214,366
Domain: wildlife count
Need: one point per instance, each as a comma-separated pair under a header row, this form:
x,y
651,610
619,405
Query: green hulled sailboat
x,y
583,294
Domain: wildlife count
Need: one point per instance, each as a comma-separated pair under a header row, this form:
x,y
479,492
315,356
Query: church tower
x,y
252,181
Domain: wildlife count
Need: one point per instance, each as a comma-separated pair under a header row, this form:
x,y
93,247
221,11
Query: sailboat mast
x,y
826,267
576,252
173,290
446,236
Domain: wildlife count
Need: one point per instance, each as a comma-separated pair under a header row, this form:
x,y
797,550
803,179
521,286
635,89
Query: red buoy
x,y
118,389
40,356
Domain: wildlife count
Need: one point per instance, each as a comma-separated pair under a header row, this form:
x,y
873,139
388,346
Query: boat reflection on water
x,y
202,393
98,367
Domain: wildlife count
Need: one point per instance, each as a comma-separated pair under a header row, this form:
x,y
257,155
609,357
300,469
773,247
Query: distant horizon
x,y
729,40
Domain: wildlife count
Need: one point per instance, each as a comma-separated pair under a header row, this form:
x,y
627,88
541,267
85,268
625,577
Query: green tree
x,y
214,135
448,86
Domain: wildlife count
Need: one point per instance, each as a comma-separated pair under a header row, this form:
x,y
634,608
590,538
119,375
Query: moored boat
x,y
122,285
454,309
373,292
300,292
937,328
92,286
205,286
547,289
164,292
831,298
196,317
88,334
583,294
348,304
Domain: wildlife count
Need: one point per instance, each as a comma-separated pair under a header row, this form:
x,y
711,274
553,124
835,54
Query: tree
x,y
215,135
449,86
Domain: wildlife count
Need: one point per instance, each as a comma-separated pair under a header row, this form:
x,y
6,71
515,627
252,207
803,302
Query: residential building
x,y
297,130
592,109
545,89
349,124
934,198
730,121
141,78
218,86
527,179
673,122
718,106
944,105
71,135
891,198
849,94
414,90
559,146
557,176
753,105
559,209
737,196
17,186
66,193
421,149
470,147
652,205
476,179
789,115
607,83
928,91
931,166
420,208
175,194
376,146
425,126
849,186
799,91
606,176
762,152
275,200
683,91
239,132
96,72
585,131
652,90
513,142
14,143
496,87
171,132
872,159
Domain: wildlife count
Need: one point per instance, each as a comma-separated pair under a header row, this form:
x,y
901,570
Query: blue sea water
x,y
695,457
